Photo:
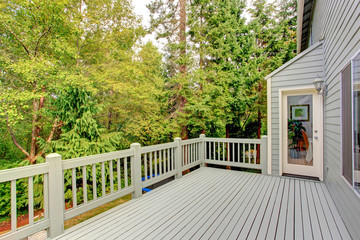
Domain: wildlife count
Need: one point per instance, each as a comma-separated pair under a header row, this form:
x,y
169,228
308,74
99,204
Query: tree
x,y
169,20
220,41
47,47
33,37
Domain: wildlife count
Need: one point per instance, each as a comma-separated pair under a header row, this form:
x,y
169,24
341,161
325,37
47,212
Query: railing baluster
x,y
111,172
103,179
188,154
223,148
255,152
165,161
94,181
151,165
31,200
73,187
168,160
232,158
196,151
118,174
155,160
173,158
46,195
214,150
84,184
145,167
126,172
13,206
239,156
249,152
243,144
160,162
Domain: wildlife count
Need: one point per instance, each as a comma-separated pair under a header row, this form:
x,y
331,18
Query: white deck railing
x,y
95,180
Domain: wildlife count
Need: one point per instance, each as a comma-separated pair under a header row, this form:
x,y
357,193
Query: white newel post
x,y
178,159
56,195
136,176
202,149
263,154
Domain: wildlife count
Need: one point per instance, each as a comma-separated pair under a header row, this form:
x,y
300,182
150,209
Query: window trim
x,y
351,63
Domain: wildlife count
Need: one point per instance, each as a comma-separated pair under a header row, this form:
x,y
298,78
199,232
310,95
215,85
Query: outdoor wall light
x,y
319,86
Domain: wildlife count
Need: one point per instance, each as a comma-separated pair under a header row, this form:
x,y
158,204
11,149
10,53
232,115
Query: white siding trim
x,y
294,59
269,162
280,131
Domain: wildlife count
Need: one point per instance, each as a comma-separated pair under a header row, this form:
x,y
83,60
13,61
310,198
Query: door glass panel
x,y
300,129
356,120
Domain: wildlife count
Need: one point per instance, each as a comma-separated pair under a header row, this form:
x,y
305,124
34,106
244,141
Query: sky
x,y
141,9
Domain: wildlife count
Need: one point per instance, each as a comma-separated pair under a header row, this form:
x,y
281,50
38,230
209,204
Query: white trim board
x,y
269,156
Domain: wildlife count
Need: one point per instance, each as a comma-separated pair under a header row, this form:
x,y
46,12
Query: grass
x,y
96,211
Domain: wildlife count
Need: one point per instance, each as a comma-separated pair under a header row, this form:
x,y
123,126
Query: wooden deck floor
x,y
221,204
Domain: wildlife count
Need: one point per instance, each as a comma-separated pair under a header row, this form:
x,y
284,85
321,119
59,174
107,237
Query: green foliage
x,y
81,134
295,129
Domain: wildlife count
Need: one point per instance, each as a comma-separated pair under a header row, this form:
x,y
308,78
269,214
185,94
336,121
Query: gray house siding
x,y
338,21
301,71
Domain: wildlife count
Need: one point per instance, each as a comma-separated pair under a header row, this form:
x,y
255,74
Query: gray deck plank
x,y
242,220
229,223
307,231
281,225
202,215
298,222
264,212
166,210
220,221
315,226
289,230
266,222
191,211
325,231
250,230
197,233
221,204
335,234
339,223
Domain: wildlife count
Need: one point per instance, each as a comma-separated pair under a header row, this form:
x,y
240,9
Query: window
x,y
351,122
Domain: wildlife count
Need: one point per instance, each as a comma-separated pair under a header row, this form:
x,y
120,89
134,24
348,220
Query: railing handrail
x,y
23,172
233,140
93,159
157,147
170,159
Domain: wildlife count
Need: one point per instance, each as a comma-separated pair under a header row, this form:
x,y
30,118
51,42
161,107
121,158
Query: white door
x,y
302,133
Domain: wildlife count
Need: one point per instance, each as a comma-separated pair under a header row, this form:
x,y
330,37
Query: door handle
x,y
316,137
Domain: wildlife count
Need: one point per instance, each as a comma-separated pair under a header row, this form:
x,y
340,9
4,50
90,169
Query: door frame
x,y
307,89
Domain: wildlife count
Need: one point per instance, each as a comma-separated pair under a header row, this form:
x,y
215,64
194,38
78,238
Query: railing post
x,y
178,159
136,170
202,149
263,155
56,195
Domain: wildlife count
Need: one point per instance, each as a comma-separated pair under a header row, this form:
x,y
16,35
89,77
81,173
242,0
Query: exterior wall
x,y
301,71
338,21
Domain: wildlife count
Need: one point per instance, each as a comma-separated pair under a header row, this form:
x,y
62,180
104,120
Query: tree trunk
x,y
182,69
182,35
259,126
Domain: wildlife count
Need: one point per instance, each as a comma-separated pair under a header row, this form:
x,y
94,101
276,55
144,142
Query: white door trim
x,y
282,158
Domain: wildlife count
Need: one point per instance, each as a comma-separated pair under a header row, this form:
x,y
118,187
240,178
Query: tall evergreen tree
x,y
169,21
